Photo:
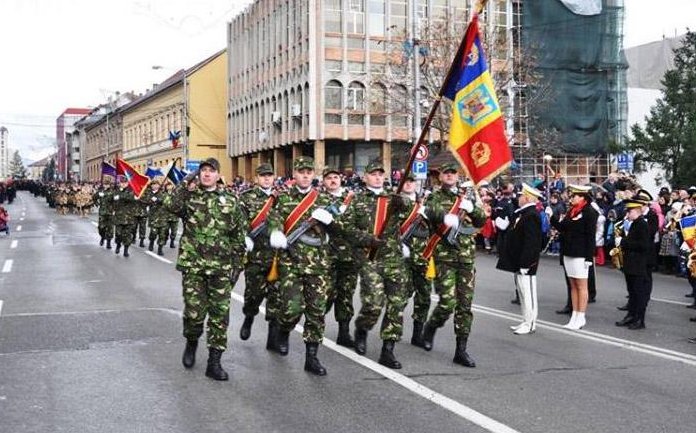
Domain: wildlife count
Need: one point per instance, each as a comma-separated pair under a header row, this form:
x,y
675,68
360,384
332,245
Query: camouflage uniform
x,y
418,286
172,225
141,219
125,208
210,255
157,215
103,199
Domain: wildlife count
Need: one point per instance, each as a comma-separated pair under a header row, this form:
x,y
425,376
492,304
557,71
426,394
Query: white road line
x,y
0,306
445,402
13,244
21,219
161,259
95,224
18,229
7,267
669,301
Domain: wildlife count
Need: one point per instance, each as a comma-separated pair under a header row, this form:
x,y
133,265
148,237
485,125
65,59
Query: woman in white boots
x,y
577,229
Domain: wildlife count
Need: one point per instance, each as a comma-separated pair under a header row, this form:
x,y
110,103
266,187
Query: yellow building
x,y
193,100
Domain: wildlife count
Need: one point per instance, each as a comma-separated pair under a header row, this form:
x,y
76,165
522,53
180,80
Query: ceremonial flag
x,y
108,169
477,135
136,181
174,137
173,173
688,229
153,172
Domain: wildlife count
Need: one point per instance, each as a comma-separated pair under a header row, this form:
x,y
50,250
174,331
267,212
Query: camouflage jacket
x,y
125,206
252,201
214,229
103,199
439,204
339,246
418,234
157,214
301,257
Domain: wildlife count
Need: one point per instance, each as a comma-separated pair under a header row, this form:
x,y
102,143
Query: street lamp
x,y
185,125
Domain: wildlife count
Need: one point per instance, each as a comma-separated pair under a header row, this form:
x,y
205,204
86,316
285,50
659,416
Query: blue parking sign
x,y
624,162
420,170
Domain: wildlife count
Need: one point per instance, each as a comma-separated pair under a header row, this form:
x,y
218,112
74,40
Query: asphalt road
x,y
91,342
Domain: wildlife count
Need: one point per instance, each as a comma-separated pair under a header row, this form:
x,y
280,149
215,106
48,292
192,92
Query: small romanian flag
x,y
477,135
136,181
688,229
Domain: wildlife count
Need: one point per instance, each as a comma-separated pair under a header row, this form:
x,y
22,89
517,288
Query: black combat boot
x,y
245,330
101,242
360,341
142,242
118,248
282,342
152,245
189,358
271,340
108,244
417,338
312,363
171,243
159,250
125,251
626,321
215,370
460,355
387,357
344,338
428,336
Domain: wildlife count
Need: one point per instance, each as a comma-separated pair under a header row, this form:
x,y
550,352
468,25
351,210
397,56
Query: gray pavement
x,y
91,342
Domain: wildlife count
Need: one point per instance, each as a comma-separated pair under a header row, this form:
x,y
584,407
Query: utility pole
x,y
413,12
185,131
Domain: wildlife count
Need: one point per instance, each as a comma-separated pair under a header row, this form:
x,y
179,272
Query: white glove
x,y
323,216
684,247
524,271
101,194
548,211
617,241
466,205
342,208
421,212
587,264
249,243
451,220
502,223
116,197
405,251
154,199
278,240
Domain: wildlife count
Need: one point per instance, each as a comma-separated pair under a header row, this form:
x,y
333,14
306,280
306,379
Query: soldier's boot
x,y
118,248
215,370
171,243
245,330
282,342
189,357
125,251
101,242
417,338
142,243
360,341
271,340
387,358
344,339
108,244
312,363
152,245
460,355
159,250
428,336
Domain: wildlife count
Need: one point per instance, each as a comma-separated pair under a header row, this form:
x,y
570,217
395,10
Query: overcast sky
x,y
56,54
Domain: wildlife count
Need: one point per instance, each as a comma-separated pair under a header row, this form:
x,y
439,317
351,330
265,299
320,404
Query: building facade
x,y
4,153
68,159
35,170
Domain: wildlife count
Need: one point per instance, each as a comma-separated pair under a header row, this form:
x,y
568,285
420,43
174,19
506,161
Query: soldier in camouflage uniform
x,y
383,280
172,220
125,208
210,256
104,199
257,203
344,270
454,257
303,265
141,220
157,215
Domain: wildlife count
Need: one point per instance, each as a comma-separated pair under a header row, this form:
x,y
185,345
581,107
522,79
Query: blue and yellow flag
x,y
688,229
477,134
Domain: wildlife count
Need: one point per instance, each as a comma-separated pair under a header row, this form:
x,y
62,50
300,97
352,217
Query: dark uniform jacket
x,y
635,246
578,234
653,227
523,242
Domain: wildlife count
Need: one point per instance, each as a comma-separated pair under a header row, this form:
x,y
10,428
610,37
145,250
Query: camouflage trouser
x,y
257,287
207,295
344,279
380,285
303,294
141,225
125,234
159,232
106,226
173,226
419,287
455,285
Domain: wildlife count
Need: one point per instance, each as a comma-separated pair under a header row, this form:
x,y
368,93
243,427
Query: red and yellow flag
x,y
136,181
477,135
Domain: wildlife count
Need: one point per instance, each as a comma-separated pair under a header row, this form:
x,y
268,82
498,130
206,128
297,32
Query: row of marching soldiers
x,y
71,198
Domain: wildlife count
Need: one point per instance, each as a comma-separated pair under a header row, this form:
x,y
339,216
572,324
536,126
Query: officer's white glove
x,y
278,240
587,264
323,216
101,194
405,251
421,212
548,211
502,223
249,243
451,220
524,271
342,208
617,241
116,197
685,247
466,205
154,199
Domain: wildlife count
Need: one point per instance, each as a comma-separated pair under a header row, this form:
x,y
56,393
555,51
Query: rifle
x,y
308,224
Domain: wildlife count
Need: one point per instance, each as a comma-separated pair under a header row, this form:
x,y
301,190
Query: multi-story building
x,y
68,160
4,153
35,170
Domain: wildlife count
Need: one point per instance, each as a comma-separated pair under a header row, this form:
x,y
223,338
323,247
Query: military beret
x,y
264,168
448,166
211,162
302,162
328,170
374,166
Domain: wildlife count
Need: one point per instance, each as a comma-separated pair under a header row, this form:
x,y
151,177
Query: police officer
x,y
210,255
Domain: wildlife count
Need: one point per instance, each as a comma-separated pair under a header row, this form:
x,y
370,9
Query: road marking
x,y
21,219
161,259
435,397
13,244
669,301
18,229
94,224
0,307
7,267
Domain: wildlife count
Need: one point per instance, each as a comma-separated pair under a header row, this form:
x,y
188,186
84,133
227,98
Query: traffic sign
x,y
422,153
624,161
420,170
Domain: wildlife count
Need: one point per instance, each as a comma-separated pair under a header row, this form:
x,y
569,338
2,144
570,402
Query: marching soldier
x,y
125,209
520,255
157,215
454,254
344,271
210,256
298,225
257,203
141,220
172,219
104,199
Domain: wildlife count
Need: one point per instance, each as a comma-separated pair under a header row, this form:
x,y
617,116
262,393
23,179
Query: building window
x,y
333,95
356,17
333,42
333,16
397,21
356,43
356,67
378,68
333,65
356,96
376,17
332,118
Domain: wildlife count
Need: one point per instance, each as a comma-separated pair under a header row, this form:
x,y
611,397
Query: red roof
x,y
77,111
